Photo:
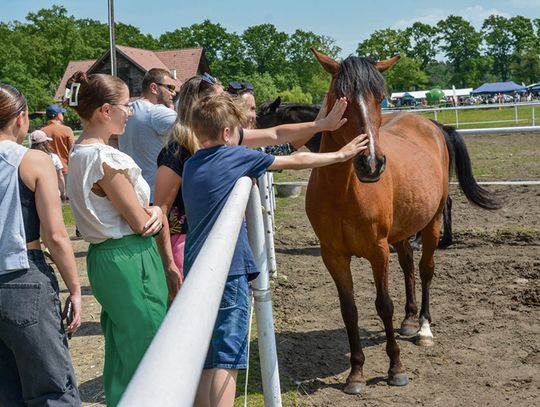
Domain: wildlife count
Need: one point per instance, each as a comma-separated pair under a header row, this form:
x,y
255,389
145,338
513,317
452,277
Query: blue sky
x,y
347,21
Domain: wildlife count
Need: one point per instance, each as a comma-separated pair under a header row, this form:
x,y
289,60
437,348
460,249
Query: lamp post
x,y
112,45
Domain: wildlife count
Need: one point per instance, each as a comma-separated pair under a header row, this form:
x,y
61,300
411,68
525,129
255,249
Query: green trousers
x,y
127,279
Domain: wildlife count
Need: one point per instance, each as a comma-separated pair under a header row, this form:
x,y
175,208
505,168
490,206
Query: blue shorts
x,y
228,346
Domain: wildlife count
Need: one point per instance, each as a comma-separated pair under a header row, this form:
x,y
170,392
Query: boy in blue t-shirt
x,y
209,177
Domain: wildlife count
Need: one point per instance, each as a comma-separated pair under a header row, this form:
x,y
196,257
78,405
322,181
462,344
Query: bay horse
x,y
360,207
274,113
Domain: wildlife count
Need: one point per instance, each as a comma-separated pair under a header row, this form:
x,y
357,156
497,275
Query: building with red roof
x,y
133,63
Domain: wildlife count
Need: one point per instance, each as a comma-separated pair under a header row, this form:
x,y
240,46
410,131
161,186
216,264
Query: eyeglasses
x,y
171,88
128,106
236,87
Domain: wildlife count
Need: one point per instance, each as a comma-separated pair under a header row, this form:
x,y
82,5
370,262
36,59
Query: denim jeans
x,y
36,368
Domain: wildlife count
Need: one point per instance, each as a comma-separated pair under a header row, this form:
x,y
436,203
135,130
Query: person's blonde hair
x,y
212,114
189,93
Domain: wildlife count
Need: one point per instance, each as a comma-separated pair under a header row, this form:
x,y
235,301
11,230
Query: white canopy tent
x,y
421,94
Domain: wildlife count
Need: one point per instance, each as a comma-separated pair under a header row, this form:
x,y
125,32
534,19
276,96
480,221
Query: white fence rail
x,y
435,110
169,372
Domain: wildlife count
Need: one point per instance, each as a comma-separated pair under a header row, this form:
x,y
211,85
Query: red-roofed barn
x,y
133,63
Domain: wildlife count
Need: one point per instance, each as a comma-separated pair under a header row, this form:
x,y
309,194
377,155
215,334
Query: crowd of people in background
x,y
147,179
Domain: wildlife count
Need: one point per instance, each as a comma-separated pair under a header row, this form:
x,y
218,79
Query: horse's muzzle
x,y
365,171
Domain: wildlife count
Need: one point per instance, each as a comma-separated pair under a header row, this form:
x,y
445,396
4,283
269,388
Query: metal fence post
x,y
266,192
263,304
533,115
516,113
169,372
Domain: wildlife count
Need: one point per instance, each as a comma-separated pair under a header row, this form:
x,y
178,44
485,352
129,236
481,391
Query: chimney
x,y
173,73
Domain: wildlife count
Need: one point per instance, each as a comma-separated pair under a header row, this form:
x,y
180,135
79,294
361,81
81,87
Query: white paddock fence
x,y
516,120
169,372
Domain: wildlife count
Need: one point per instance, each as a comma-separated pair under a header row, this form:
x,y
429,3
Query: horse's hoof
x,y
408,328
355,388
400,379
425,341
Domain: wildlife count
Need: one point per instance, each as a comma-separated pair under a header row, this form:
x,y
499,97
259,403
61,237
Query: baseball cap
x,y
39,136
53,110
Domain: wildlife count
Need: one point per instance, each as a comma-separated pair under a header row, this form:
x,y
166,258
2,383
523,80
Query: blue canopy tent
x,y
534,86
499,87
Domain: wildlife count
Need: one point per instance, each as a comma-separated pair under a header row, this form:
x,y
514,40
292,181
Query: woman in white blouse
x,y
109,198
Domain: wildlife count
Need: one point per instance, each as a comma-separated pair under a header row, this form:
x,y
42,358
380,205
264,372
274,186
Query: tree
x,y
423,43
525,58
406,75
266,48
264,86
295,95
460,43
301,60
212,37
499,44
131,36
384,44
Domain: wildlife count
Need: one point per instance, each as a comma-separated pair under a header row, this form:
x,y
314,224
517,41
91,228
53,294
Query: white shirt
x,y
96,217
56,161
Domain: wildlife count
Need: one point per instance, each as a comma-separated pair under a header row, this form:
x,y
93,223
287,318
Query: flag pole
x,y
112,45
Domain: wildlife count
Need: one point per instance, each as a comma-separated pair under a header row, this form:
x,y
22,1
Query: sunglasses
x,y
240,85
206,77
171,88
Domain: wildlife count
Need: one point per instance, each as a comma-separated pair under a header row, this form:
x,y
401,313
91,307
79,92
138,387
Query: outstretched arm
x,y
288,133
300,161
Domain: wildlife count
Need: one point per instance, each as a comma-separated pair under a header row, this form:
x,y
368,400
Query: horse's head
x,y
267,115
360,80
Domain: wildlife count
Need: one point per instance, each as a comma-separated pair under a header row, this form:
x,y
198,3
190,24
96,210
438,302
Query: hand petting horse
x,y
274,113
360,207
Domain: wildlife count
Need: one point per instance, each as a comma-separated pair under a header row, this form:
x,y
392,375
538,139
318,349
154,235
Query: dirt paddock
x,y
485,303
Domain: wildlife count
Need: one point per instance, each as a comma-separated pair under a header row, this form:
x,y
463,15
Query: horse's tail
x,y
461,163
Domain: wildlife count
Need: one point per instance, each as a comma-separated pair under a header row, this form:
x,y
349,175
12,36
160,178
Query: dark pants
x,y
35,367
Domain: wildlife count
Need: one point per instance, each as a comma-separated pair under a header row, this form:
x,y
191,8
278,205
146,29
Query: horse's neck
x,y
336,173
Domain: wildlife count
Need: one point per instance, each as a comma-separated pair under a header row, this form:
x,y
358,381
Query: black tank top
x,y
29,212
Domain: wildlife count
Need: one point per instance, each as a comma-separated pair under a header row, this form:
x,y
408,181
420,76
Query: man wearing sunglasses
x,y
153,116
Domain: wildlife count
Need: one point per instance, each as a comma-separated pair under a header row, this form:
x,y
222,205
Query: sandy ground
x,y
485,305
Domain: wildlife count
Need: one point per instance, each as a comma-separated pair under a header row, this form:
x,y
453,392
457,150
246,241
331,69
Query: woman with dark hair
x,y
36,369
110,201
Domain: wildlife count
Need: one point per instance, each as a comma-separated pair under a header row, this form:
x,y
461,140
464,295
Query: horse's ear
x,y
384,65
275,104
330,65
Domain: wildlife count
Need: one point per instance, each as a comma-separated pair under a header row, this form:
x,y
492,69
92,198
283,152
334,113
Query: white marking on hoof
x,y
425,337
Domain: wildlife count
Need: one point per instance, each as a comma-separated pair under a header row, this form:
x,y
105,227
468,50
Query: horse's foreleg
x,y
339,267
397,375
430,237
409,326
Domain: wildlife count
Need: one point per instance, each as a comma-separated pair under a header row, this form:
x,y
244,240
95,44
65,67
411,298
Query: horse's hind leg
x,y
409,326
378,258
339,267
430,237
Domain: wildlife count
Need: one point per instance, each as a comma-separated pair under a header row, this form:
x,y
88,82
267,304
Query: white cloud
x,y
474,14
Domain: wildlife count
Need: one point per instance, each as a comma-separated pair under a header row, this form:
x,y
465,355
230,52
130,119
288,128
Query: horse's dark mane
x,y
358,76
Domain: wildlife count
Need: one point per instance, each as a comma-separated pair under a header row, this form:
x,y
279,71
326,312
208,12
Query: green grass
x,y
495,117
255,396
69,220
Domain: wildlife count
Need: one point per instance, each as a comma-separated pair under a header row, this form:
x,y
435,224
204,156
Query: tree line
x,y
35,53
